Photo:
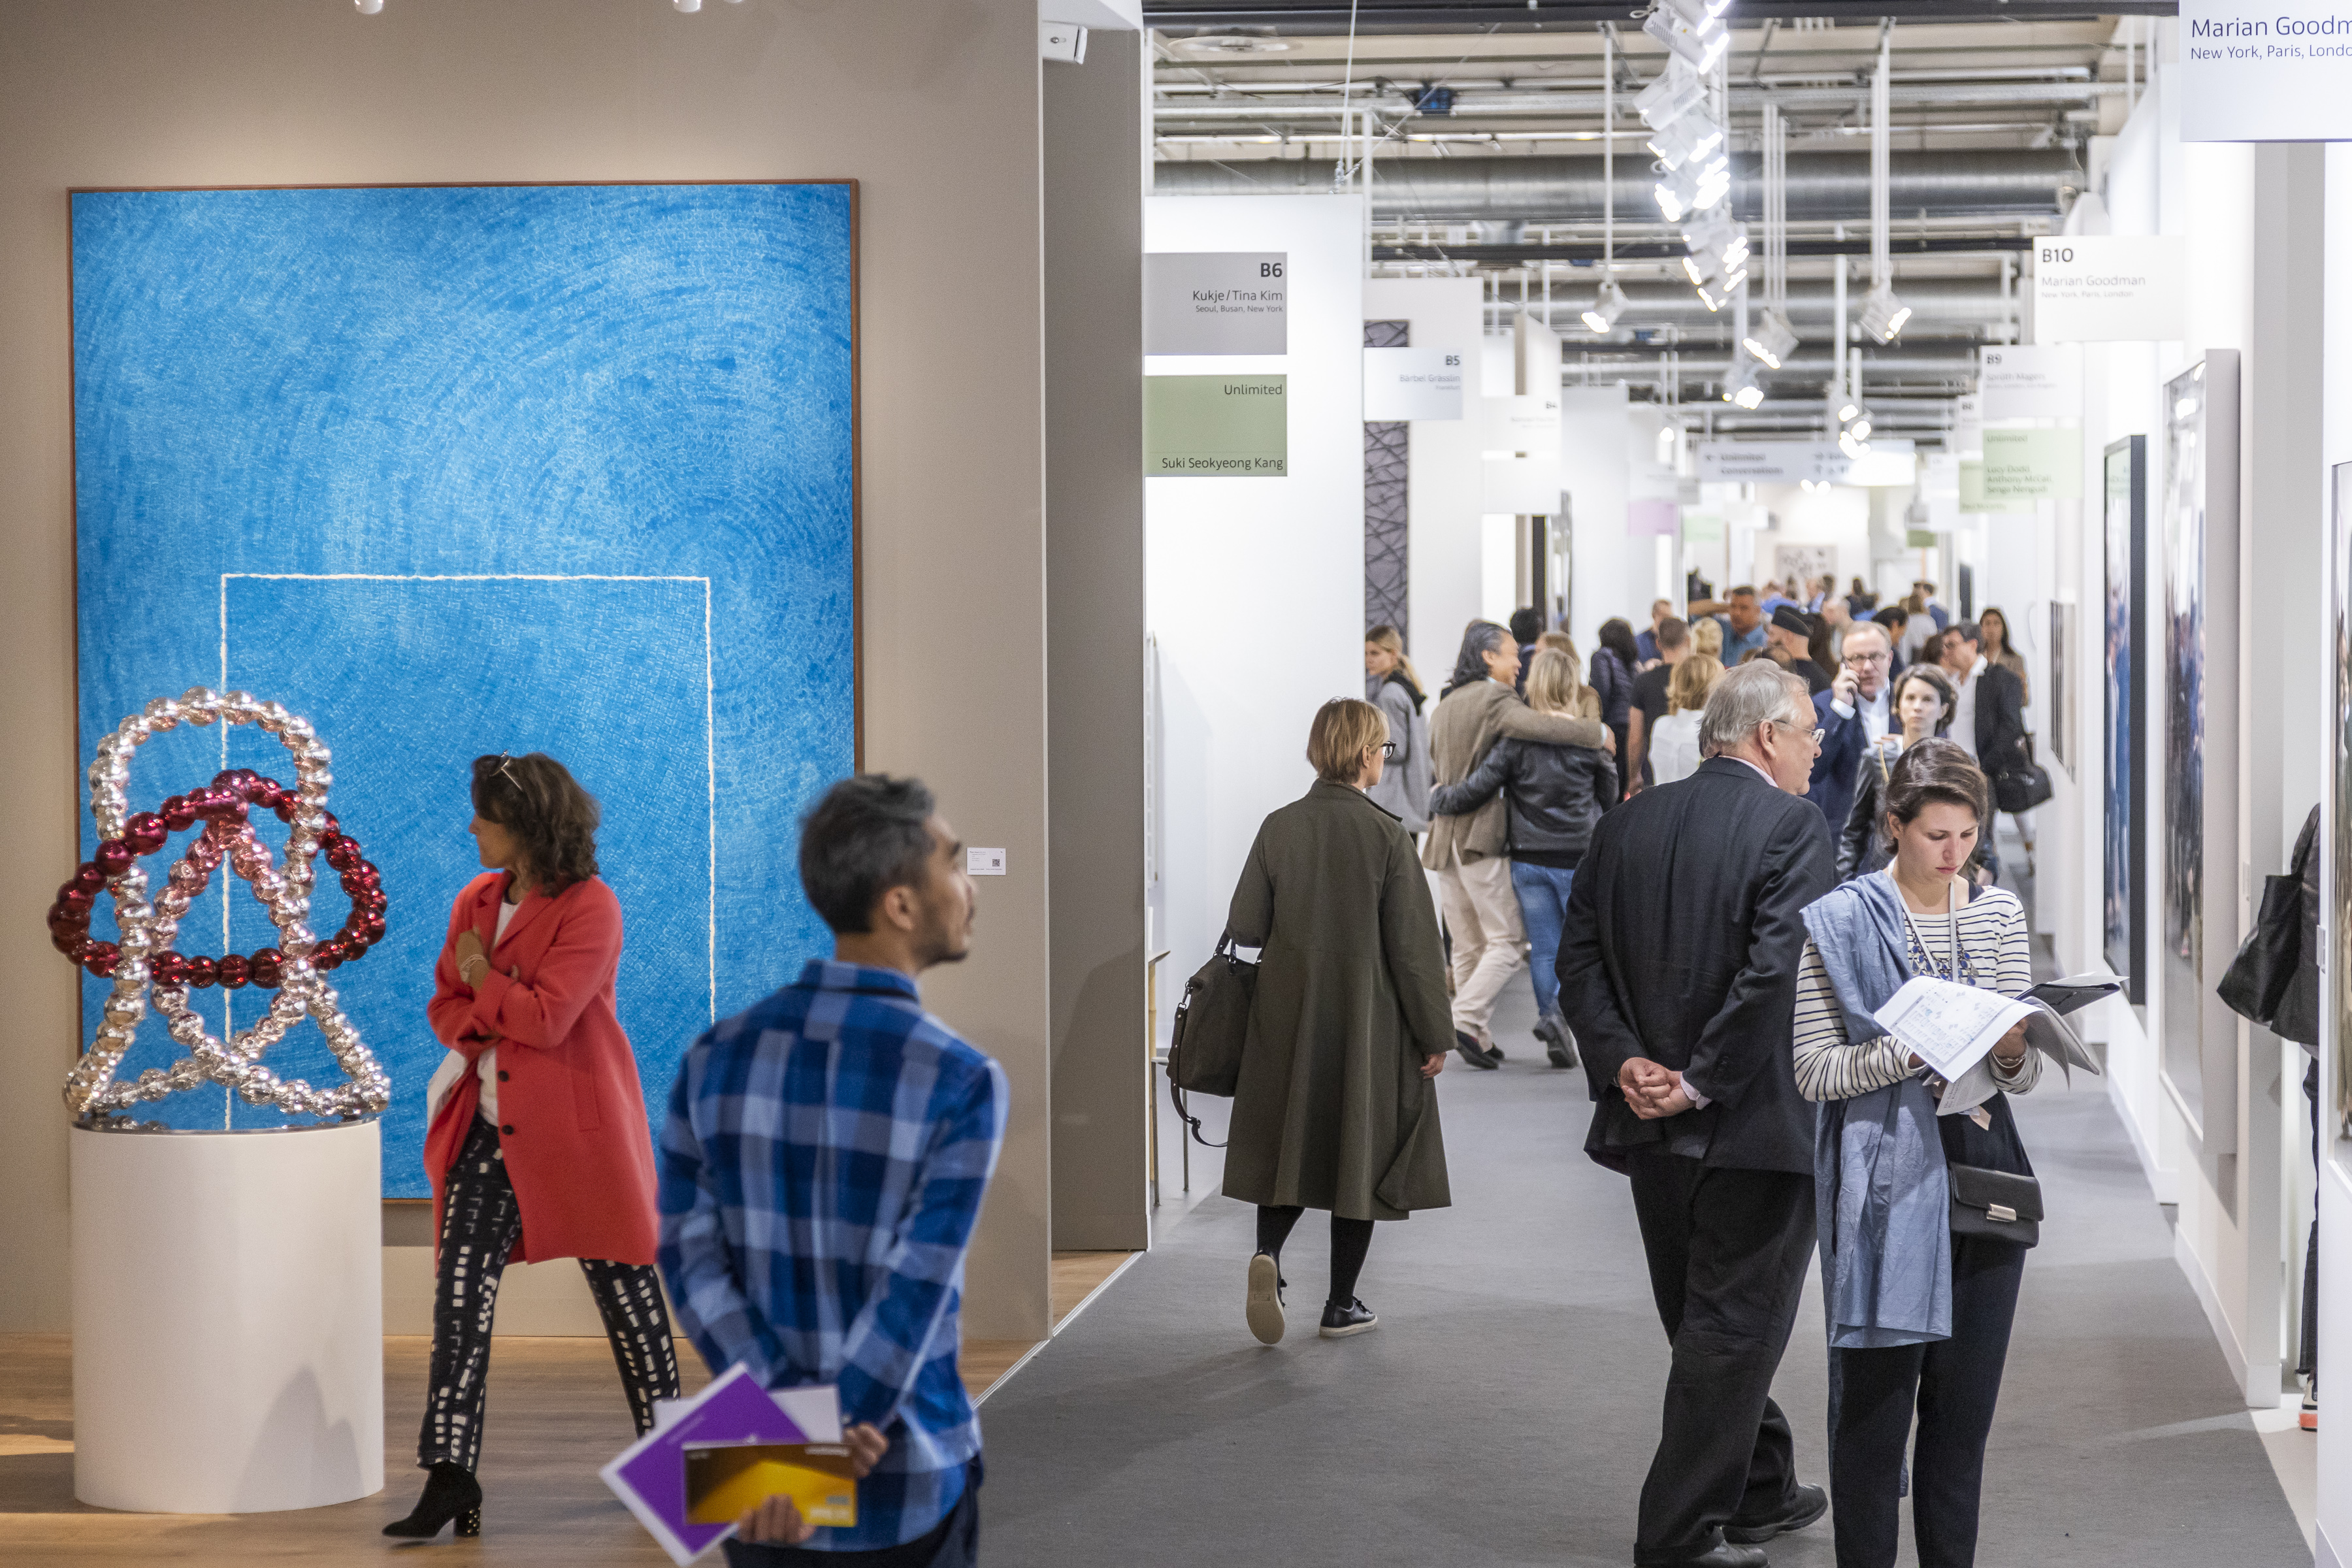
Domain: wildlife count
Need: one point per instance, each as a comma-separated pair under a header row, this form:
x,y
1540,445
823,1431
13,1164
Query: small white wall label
x,y
983,862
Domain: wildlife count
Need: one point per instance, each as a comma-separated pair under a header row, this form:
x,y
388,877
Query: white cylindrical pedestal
x,y
228,1319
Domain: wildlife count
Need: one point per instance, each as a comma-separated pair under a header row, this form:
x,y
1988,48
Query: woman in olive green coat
x,y
1334,1109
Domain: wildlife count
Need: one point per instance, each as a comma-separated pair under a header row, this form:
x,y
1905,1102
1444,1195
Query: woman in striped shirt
x,y
1919,1319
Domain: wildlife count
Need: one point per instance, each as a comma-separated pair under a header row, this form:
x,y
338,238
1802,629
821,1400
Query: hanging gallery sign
x,y
1885,461
2020,468
2108,288
1216,426
1216,302
1529,423
1412,384
2030,381
2273,73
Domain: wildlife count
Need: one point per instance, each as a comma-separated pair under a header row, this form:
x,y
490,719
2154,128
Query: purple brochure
x,y
650,1475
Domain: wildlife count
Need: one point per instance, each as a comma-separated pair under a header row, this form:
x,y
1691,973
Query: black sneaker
x,y
1467,1047
1339,1322
1263,1307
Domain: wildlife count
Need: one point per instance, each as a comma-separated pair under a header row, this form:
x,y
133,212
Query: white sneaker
x,y
1265,1310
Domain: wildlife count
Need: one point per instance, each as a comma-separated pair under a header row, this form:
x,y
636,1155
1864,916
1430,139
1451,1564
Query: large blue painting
x,y
452,471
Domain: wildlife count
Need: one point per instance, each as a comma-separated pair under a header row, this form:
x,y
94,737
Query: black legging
x,y
1351,1240
479,1224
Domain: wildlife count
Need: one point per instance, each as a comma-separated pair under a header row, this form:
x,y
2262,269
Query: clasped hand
x,y
777,1520
1651,1090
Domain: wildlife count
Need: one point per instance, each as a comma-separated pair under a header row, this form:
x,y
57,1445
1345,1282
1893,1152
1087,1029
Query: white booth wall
x,y
1444,590
2250,217
1255,587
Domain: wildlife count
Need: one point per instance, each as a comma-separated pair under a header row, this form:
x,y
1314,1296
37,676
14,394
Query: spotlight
x,y
1883,314
1846,411
1739,387
1715,296
1859,429
1700,53
1852,446
1676,195
1698,16
1718,233
1677,92
1600,316
1685,140
369,7
1772,339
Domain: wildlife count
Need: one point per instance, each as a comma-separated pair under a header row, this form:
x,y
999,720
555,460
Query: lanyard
x,y
1951,913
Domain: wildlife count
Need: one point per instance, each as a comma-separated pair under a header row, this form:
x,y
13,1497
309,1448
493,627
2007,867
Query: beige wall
x,y
932,105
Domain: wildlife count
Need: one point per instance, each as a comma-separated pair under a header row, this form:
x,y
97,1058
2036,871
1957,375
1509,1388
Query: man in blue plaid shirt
x,y
821,1172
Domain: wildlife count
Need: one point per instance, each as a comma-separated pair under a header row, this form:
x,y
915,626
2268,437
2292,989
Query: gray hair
x,y
1747,695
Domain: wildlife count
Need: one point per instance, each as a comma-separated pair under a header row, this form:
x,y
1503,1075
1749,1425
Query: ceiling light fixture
x,y
1739,385
1700,50
369,7
1600,316
1773,339
1883,315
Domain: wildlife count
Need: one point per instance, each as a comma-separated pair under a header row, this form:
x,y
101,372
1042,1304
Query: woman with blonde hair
x,y
1555,792
1706,638
1349,1022
1394,686
1674,748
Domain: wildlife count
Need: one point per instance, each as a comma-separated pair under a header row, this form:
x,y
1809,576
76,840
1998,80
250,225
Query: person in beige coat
x,y
1470,852
1334,1109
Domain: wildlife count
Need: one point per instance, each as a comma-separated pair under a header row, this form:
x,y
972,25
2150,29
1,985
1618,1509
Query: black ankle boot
x,y
451,1492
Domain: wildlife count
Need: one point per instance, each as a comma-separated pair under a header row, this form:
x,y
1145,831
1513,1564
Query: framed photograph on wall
x,y
2062,694
2198,526
2123,677
2336,1024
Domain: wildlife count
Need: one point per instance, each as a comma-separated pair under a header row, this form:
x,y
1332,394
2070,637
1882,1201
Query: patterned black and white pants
x,y
479,1224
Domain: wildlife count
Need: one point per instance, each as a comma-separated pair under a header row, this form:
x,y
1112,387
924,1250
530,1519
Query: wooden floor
x,y
556,1415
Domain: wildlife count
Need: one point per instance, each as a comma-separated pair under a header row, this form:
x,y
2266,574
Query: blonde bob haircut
x,y
1344,728
1553,686
1694,677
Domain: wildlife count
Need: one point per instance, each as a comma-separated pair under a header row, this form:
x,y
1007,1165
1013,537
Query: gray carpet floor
x,y
1506,1409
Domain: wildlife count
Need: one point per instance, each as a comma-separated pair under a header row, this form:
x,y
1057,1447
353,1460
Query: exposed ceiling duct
x,y
1944,307
1822,186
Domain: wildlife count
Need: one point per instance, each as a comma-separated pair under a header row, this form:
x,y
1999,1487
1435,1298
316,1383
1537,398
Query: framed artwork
x,y
2061,686
2199,526
2336,1016
2124,680
457,470
1795,565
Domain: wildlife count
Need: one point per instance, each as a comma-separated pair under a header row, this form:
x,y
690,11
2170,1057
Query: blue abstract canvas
x,y
454,471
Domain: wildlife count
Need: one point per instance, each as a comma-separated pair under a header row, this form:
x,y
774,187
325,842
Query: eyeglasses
x,y
1881,656
1818,735
1388,750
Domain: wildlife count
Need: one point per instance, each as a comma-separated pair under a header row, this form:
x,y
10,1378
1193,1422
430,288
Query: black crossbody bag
x,y
1995,1194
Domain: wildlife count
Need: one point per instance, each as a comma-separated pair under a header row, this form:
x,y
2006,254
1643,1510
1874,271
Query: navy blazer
x,y
1832,788
1682,938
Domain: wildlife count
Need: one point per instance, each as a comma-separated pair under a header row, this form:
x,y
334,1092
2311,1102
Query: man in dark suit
x,y
1678,972
1992,702
1853,712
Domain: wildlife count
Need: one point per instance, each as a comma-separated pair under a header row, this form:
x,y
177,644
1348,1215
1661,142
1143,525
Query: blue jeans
x,y
1543,906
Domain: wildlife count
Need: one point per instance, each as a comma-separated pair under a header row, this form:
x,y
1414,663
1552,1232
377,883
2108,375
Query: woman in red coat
x,y
539,1149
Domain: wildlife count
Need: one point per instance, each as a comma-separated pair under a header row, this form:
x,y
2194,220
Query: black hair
x,y
1925,670
1934,770
1617,637
870,832
554,820
1526,625
1892,616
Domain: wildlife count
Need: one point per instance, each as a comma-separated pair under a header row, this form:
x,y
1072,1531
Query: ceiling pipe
x,y
1822,186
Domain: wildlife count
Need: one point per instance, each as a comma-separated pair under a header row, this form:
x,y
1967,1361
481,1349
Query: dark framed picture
x,y
2062,687
2336,1036
2199,525
2124,610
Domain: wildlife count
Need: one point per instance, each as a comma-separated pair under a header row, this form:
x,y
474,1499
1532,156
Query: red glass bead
x,y
100,957
89,877
75,896
177,814
326,956
113,857
203,972
375,930
146,833
342,854
168,968
269,968
234,971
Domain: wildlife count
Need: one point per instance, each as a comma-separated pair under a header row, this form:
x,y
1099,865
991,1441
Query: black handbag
x,y
1997,1204
2024,785
2256,980
1211,1024
1994,1194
